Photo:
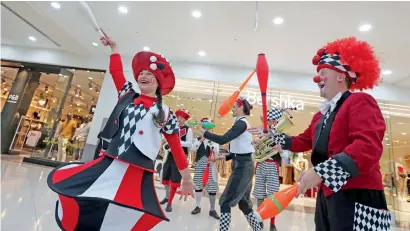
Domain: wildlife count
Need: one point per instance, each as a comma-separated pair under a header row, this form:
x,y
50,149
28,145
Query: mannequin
x,y
400,178
300,164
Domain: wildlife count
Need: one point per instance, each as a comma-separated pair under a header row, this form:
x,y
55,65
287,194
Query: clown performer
x,y
206,151
171,177
239,186
345,137
116,191
267,172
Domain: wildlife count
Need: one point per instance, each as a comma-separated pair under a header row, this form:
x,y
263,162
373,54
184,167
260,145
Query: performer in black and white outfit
x,y
116,191
239,186
267,172
206,153
171,178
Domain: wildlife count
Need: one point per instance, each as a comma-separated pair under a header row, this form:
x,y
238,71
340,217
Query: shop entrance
x,y
44,105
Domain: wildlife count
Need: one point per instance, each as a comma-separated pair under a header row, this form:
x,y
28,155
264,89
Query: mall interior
x,y
54,68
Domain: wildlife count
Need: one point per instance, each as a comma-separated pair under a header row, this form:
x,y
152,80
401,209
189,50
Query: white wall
x,y
107,100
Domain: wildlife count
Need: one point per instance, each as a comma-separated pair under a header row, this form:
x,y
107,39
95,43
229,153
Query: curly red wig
x,y
361,59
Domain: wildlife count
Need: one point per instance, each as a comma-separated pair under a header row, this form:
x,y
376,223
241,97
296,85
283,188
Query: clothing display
x,y
116,191
32,138
347,135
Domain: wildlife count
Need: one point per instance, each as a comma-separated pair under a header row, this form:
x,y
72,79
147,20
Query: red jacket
x,y
357,130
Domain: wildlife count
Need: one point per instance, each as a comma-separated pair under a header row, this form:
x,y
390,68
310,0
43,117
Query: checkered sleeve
x,y
281,139
172,125
332,174
125,89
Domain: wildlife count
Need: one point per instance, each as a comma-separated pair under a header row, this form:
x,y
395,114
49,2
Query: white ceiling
x,y
225,31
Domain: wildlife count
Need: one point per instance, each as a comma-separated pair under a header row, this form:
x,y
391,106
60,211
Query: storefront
x,y
203,98
38,100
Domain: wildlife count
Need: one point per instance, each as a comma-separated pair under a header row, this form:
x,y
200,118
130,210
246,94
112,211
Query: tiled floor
x,y
28,205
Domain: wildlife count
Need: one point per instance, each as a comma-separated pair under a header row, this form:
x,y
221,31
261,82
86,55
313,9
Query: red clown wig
x,y
354,58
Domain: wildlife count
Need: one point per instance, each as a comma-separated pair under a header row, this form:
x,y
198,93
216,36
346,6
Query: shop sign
x,y
283,101
13,98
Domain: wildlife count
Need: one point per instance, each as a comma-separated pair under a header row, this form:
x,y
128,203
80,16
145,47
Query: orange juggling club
x,y
277,202
228,104
262,71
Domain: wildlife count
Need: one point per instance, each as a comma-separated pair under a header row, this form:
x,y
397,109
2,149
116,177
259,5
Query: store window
x,y
8,74
56,122
395,164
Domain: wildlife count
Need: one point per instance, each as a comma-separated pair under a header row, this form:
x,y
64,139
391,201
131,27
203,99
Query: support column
x,y
69,78
17,105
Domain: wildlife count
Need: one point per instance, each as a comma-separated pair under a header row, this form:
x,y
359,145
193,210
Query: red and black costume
x,y
346,142
116,191
171,178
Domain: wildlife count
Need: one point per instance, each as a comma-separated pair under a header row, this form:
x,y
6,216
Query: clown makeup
x,y
331,83
147,83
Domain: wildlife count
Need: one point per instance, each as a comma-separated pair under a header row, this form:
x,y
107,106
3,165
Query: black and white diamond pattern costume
x,y
353,208
212,185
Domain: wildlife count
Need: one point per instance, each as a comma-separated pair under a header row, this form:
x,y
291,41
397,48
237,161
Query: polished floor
x,y
27,204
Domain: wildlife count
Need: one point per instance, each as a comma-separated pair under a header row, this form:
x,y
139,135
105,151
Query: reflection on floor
x,y
28,204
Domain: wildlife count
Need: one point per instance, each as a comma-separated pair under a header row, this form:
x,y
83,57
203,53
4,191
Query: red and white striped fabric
x,y
105,194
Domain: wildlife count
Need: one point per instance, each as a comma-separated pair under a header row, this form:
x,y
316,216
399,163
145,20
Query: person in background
x,y
65,136
267,172
171,178
206,153
239,186
81,136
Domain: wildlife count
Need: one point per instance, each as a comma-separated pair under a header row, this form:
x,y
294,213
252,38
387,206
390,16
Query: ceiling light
x,y
145,48
388,144
32,38
277,20
78,85
403,133
400,123
88,71
387,72
201,53
196,14
365,27
56,5
123,9
95,44
90,78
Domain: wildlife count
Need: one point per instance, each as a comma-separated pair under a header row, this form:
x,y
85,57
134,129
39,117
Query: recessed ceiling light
x,y
145,48
90,78
365,27
78,86
403,133
387,72
196,14
95,44
201,53
56,5
278,20
32,38
122,9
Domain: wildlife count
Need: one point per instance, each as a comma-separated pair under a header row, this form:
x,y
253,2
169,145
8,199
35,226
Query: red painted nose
x,y
316,79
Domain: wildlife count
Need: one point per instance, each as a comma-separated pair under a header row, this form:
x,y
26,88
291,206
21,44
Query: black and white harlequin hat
x,y
277,113
157,65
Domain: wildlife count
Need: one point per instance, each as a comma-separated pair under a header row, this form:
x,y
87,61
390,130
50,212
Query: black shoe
x,y
261,224
165,200
273,228
196,211
214,214
168,208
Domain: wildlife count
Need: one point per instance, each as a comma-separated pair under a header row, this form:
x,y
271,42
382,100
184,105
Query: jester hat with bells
x,y
352,57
